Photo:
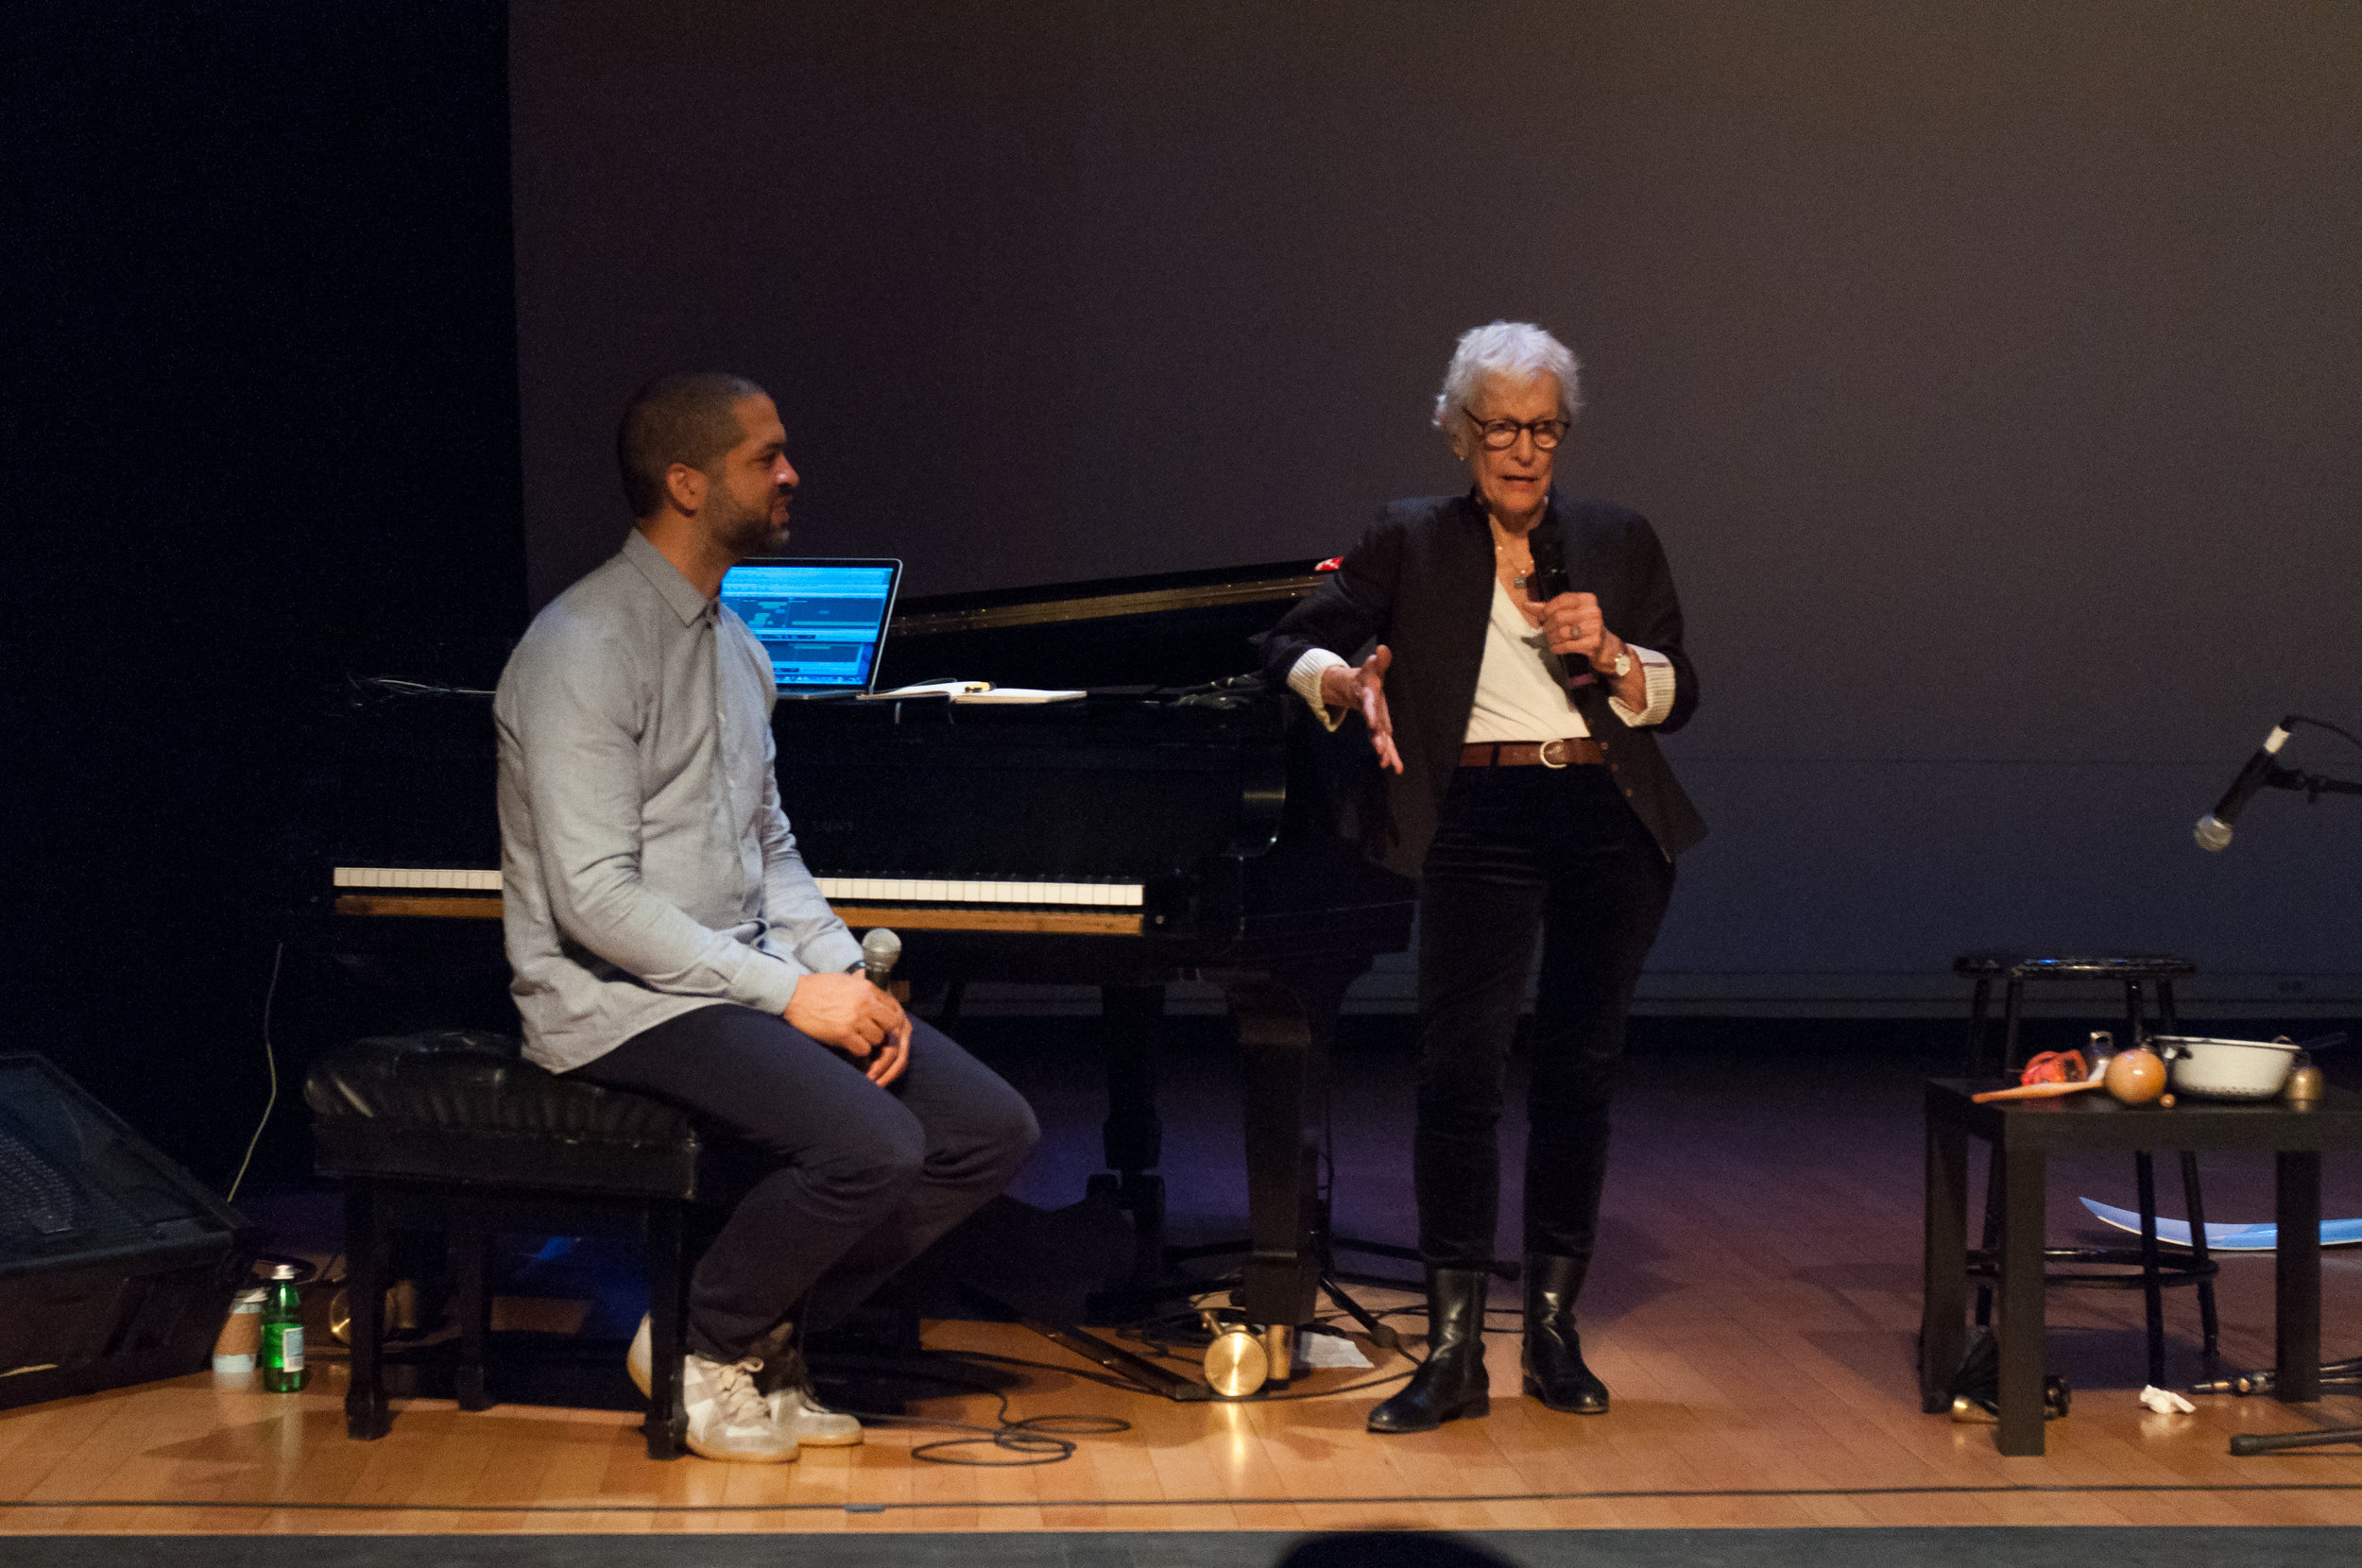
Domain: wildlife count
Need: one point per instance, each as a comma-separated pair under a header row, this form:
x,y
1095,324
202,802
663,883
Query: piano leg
x,y
366,1416
1287,1020
1132,1136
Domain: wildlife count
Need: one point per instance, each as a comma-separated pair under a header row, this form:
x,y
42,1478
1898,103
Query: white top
x,y
1522,690
1521,693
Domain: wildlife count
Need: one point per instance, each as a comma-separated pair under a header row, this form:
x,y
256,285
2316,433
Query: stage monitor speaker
x,y
115,1264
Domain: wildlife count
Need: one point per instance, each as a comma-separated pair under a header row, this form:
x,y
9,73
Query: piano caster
x,y
1240,1359
1236,1363
1279,1352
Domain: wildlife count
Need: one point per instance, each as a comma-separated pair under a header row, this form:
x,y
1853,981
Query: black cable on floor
x,y
1122,1387
1040,1440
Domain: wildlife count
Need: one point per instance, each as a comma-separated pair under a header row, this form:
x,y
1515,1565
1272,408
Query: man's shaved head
x,y
688,417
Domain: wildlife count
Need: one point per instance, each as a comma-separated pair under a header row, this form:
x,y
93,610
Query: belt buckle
x,y
1543,751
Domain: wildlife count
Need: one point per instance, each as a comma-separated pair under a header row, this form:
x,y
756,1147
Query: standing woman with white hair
x,y
1517,652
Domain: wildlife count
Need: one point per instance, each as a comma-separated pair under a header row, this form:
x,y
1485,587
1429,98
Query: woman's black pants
x,y
1521,852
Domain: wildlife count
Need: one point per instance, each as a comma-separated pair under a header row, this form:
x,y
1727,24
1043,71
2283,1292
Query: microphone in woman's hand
x,y
1549,578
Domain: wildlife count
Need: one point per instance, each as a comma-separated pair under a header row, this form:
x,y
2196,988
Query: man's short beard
x,y
749,533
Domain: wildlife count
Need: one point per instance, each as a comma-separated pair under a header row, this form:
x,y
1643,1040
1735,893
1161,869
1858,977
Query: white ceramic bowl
x,y
2227,1070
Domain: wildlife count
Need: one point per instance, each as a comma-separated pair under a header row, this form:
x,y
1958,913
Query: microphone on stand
x,y
2214,828
880,951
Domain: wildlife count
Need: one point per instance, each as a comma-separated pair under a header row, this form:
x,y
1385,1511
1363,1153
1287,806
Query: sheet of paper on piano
x,y
928,688
1022,694
978,691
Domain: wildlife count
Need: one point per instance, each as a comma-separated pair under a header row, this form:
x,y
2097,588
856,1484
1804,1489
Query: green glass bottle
x,y
283,1333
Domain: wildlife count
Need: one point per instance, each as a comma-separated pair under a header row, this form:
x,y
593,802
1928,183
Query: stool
x,y
2132,971
456,1132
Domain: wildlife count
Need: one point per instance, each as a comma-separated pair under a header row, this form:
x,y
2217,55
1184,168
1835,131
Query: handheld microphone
x,y
1550,566
880,950
2214,828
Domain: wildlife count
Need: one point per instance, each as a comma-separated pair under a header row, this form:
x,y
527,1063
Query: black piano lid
x,y
1099,598
1174,628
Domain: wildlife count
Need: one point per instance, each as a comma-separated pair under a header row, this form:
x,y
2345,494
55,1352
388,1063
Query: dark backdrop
x,y
258,427
1990,371
1991,368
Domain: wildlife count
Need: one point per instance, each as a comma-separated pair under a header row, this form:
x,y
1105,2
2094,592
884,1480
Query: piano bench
x,y
455,1133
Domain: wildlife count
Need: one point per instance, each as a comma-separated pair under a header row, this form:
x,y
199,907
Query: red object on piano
x,y
1331,564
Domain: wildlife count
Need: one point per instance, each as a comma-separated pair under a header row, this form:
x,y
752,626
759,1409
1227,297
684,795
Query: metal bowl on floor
x,y
2227,1070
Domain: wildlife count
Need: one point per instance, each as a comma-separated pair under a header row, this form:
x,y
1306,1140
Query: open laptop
x,y
822,622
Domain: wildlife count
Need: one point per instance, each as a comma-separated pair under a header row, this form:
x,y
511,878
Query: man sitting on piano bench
x,y
666,937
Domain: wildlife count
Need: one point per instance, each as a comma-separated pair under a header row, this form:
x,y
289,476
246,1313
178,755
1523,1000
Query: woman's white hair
x,y
1512,348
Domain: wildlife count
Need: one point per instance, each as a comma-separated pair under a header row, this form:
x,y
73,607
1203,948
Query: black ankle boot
x,y
1553,1359
1453,1384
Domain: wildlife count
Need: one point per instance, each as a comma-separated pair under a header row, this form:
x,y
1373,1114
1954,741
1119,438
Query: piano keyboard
x,y
870,890
416,879
899,890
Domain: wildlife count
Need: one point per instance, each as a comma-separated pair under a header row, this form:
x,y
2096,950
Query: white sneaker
x,y
641,1359
729,1418
796,1409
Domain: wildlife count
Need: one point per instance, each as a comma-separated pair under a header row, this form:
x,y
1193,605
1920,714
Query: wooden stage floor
x,y
1753,1311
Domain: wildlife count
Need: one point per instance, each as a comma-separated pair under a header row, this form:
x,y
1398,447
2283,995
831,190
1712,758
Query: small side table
x,y
2022,1135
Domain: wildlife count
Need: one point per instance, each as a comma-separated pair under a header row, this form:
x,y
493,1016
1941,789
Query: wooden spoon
x,y
2037,1091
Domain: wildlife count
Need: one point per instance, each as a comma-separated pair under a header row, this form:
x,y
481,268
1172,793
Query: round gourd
x,y
2136,1077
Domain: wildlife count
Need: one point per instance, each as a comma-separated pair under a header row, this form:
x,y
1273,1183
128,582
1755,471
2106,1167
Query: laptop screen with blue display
x,y
822,623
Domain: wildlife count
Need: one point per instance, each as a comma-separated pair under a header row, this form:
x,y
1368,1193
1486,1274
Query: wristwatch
x,y
1623,662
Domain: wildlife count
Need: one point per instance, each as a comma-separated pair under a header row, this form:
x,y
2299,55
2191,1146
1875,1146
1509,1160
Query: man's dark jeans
x,y
864,1179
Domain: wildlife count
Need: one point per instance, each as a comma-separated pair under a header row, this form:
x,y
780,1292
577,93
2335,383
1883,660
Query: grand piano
x,y
1179,823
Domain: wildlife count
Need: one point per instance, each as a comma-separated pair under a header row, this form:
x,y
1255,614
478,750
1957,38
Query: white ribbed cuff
x,y
1658,671
1305,681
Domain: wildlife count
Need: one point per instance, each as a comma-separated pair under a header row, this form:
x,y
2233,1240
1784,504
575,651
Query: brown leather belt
x,y
1525,754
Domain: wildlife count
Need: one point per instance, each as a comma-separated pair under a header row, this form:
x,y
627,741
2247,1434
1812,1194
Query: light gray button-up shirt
x,y
647,868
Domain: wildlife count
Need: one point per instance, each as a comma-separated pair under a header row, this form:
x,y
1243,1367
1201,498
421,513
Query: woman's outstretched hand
x,y
1344,686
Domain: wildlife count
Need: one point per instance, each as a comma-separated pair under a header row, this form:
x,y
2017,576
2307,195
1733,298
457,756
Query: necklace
x,y
1517,579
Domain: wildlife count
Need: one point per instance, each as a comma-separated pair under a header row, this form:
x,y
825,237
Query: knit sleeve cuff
x,y
1658,671
1305,681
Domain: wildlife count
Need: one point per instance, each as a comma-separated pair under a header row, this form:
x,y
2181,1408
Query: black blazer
x,y
1421,581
